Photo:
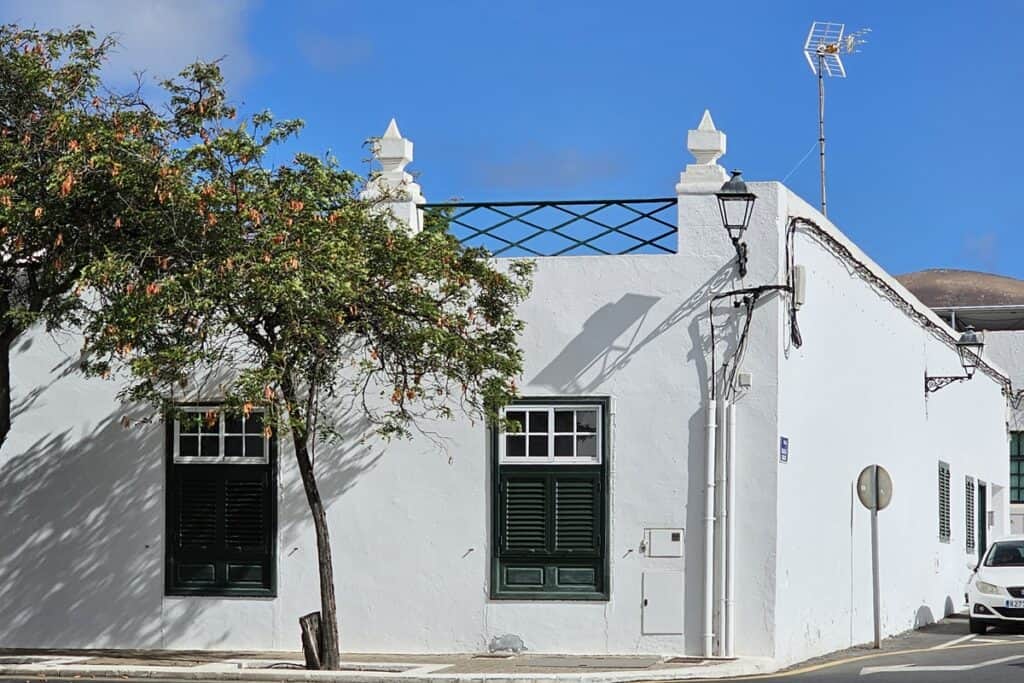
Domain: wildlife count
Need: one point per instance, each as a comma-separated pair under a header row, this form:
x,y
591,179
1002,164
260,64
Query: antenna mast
x,y
825,42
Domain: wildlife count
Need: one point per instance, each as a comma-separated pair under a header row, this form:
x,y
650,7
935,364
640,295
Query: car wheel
x,y
979,627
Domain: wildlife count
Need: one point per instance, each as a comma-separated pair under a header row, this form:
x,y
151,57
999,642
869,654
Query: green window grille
x,y
221,504
1017,467
969,513
944,533
550,502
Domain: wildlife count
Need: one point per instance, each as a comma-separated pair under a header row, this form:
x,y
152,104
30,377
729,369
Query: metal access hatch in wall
x,y
665,542
663,603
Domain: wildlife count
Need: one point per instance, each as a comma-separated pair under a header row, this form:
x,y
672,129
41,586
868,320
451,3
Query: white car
x,y
995,592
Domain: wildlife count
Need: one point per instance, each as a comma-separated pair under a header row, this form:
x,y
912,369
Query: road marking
x,y
990,640
954,642
786,673
913,668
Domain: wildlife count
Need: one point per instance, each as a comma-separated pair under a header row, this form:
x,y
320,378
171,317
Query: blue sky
x,y
578,100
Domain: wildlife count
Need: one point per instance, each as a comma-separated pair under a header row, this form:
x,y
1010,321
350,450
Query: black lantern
x,y
970,346
736,203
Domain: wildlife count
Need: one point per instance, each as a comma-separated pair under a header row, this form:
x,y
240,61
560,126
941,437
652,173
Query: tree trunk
x,y
7,338
330,656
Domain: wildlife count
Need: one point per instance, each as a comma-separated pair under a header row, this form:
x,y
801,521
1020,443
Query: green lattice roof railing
x,y
565,228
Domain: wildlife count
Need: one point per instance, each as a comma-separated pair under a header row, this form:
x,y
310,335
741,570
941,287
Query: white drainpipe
x,y
709,528
722,514
730,532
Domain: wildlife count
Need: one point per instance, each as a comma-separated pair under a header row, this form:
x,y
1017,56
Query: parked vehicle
x,y
995,592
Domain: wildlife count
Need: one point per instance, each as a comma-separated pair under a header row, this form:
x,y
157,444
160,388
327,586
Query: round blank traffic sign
x,y
874,487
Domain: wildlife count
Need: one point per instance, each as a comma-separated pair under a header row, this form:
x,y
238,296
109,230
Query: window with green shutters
x,y
944,531
969,520
221,504
551,501
1017,467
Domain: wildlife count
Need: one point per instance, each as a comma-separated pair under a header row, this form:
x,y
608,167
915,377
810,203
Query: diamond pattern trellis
x,y
569,228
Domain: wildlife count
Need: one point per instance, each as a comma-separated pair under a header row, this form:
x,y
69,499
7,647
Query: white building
x,y
446,546
993,304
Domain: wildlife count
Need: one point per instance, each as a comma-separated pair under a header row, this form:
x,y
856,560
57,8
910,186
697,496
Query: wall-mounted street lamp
x,y
969,346
736,203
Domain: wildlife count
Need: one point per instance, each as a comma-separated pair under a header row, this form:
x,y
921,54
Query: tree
x,y
80,175
306,294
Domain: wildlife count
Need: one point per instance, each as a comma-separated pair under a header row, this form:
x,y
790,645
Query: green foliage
x,y
80,171
307,293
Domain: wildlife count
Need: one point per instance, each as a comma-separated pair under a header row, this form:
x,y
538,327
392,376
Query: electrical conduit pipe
x,y
730,531
709,527
721,514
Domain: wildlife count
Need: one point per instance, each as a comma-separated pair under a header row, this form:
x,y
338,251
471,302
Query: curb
x,y
725,670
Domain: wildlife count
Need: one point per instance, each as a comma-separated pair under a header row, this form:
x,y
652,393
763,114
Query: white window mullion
x,y
551,435
221,426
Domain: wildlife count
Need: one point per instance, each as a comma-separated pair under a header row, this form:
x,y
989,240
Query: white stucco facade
x,y
1006,347
82,499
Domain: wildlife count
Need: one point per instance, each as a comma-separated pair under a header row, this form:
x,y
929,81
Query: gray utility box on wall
x,y
663,603
664,542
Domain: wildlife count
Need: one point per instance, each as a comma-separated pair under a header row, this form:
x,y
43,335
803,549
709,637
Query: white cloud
x,y
159,37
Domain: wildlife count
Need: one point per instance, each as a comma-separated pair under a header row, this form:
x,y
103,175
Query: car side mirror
x,y
972,566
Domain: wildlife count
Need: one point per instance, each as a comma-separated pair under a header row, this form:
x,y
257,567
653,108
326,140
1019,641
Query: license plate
x,y
1015,603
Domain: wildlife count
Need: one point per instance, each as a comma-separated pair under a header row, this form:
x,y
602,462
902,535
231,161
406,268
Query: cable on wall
x,y
887,291
748,297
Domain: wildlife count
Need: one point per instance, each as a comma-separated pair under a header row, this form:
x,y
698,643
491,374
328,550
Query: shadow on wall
x,y
609,341
923,616
599,350
82,539
82,530
338,464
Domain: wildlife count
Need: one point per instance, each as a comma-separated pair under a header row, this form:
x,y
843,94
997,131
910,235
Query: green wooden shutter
x,y
197,514
551,532
525,513
222,529
577,507
245,518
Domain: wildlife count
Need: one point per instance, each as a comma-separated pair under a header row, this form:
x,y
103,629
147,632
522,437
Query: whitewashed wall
x,y
83,504
82,498
1006,347
851,396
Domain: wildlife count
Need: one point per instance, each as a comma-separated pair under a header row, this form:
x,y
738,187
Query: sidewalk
x,y
363,668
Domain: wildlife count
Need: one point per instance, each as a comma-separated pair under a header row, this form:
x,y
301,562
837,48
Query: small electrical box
x,y
664,542
799,286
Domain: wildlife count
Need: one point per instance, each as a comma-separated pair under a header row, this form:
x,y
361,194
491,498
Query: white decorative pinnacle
x,y
707,144
392,187
393,151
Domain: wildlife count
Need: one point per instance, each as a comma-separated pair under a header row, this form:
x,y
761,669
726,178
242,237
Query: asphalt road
x,y
941,653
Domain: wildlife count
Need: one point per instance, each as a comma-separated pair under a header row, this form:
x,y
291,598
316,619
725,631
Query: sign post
x,y
874,488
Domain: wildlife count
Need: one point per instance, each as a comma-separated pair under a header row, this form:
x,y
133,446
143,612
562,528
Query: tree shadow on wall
x,y
338,464
82,540
82,534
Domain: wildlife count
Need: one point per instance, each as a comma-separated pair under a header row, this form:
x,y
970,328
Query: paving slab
x,y
369,668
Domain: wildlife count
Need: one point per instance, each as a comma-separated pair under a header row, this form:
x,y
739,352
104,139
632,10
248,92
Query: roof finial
x,y
392,150
706,122
393,187
707,144
392,131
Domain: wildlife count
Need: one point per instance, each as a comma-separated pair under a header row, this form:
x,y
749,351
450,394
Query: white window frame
x,y
220,459
551,459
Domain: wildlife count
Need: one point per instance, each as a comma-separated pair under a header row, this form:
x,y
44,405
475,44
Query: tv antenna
x,y
825,43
